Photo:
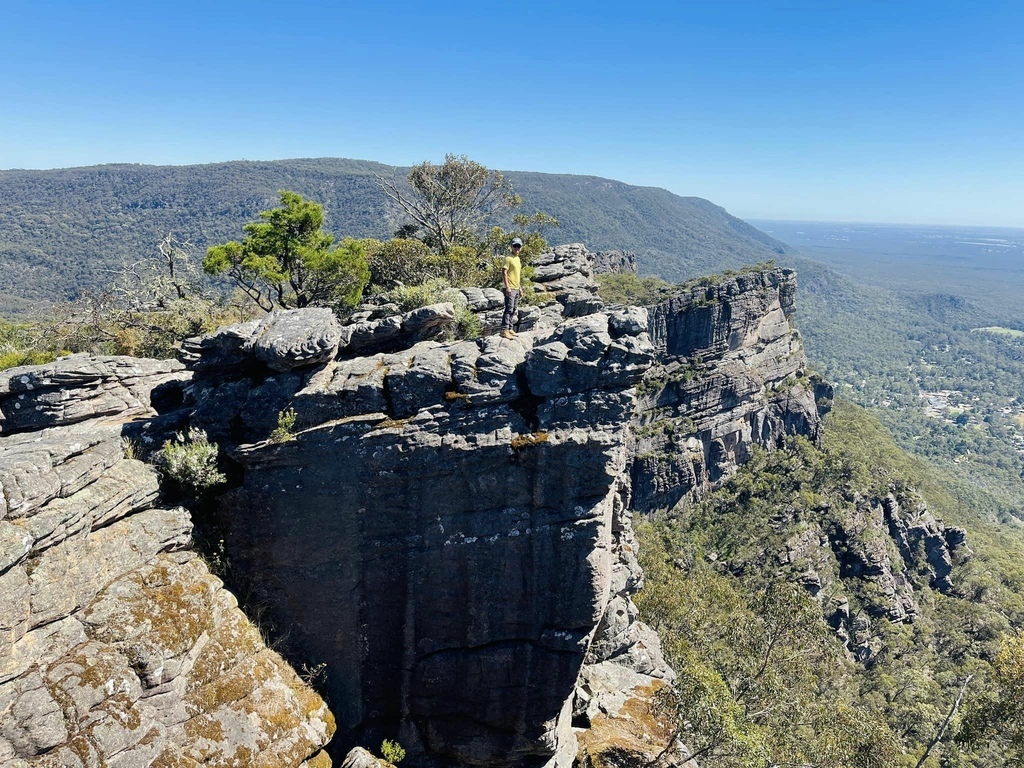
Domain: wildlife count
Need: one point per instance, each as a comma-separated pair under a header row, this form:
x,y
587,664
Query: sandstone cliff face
x,y
730,377
117,646
450,530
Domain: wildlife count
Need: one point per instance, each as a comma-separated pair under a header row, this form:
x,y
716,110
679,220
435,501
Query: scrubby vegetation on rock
x,y
191,461
287,261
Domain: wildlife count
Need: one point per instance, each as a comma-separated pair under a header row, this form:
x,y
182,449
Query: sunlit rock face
x,y
442,542
117,645
730,377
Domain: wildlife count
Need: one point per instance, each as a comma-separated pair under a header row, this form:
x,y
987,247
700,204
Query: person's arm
x,y
504,277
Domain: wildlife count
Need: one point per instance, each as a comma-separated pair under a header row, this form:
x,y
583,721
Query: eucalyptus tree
x,y
451,202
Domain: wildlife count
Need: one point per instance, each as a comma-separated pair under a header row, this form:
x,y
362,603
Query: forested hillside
x,y
939,370
915,669
62,230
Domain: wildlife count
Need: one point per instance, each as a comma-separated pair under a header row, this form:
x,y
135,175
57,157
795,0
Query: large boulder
x,y
396,331
295,338
282,340
224,348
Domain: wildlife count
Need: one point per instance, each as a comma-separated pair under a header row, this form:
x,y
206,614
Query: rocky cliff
x,y
448,529
881,550
117,646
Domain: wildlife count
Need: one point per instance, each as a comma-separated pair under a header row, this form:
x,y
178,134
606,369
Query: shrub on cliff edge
x,y
191,461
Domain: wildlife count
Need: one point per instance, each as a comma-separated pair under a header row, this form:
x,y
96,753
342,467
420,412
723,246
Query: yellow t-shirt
x,y
512,268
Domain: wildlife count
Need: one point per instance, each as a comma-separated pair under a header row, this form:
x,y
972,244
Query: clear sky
x,y
853,110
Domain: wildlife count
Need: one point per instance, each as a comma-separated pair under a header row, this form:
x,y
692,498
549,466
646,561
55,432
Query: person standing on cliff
x,y
513,288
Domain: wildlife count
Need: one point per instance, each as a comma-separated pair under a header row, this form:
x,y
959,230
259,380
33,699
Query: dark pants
x,y
511,307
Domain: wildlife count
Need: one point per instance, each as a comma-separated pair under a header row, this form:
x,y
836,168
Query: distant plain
x,y
984,265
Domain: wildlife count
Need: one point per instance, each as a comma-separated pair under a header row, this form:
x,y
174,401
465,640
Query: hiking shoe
x,y
508,334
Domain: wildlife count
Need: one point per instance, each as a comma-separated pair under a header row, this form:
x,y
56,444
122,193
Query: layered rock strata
x,y
731,376
117,646
449,530
447,534
82,387
451,556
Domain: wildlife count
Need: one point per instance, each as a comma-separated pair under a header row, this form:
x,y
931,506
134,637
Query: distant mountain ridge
x,y
62,231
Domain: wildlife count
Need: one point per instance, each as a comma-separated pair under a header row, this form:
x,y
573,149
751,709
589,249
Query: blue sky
x,y
854,111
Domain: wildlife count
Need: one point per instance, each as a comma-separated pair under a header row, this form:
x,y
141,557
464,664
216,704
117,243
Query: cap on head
x,y
516,241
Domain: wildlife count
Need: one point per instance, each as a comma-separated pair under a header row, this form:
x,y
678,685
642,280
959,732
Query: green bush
x,y
25,357
397,261
433,291
191,461
21,345
285,429
627,288
392,751
466,326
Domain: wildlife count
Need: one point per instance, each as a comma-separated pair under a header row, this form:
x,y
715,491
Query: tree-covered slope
x,y
62,230
932,369
818,614
675,237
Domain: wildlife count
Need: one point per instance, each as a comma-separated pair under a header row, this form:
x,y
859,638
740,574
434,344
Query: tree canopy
x,y
287,260
452,201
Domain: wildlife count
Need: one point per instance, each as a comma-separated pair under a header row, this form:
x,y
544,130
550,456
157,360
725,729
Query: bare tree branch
x,y
945,723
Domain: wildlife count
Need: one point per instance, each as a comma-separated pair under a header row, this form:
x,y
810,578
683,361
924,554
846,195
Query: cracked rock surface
x,y
117,646
450,528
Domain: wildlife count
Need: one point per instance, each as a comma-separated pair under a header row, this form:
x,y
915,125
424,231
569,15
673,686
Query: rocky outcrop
x,y
567,273
452,521
927,546
117,645
865,560
396,331
474,541
730,377
446,533
82,387
615,261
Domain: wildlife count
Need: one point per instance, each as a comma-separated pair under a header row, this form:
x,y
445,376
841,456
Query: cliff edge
x,y
450,531
446,533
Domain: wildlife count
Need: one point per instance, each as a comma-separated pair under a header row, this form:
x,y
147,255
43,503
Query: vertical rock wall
x,y
450,558
730,377
449,532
